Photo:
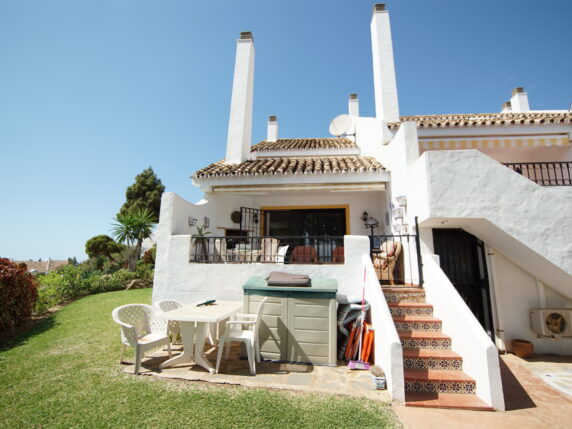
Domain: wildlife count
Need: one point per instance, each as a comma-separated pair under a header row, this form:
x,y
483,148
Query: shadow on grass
x,y
515,396
21,334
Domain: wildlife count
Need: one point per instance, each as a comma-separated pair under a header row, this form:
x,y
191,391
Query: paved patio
x,y
555,370
530,403
298,377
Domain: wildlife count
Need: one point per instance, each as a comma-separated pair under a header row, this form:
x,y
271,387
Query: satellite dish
x,y
342,124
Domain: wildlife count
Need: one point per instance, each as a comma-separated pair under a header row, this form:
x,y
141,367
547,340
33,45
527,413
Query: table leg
x,y
199,348
188,336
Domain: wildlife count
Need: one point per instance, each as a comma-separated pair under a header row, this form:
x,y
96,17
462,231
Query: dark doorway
x,y
306,222
462,258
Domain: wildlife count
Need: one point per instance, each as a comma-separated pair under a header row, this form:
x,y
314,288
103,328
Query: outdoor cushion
x,y
277,278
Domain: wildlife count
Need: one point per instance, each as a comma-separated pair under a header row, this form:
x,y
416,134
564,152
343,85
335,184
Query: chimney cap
x,y
246,35
379,7
353,96
272,118
517,90
506,104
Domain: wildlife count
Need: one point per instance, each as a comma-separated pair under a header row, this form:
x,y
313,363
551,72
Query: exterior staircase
x,y
433,373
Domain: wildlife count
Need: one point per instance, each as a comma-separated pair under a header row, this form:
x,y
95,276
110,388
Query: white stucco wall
x,y
177,278
218,208
516,292
530,224
387,345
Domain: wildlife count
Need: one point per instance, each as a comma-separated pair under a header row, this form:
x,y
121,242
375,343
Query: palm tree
x,y
133,227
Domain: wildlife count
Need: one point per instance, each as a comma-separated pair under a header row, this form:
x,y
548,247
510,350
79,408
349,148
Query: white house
x,y
491,193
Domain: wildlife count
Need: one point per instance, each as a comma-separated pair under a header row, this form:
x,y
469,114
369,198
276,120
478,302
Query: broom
x,y
359,364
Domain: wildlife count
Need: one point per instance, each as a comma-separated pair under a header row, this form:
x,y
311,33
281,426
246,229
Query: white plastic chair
x,y
140,329
249,336
281,254
220,249
174,327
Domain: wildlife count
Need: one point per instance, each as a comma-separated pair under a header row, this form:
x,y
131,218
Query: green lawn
x,y
65,373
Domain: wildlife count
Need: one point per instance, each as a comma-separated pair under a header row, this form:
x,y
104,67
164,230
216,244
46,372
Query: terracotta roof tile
x,y
279,166
487,119
304,144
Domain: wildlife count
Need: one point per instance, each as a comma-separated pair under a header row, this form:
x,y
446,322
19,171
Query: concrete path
x,y
297,377
530,403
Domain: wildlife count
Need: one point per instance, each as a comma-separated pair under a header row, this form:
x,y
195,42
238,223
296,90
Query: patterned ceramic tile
x,y
432,363
414,326
458,387
411,311
426,343
395,297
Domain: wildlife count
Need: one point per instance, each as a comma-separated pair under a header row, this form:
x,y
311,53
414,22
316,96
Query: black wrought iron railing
x,y
557,173
272,250
397,259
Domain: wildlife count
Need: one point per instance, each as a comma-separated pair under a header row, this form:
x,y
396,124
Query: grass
x,y
64,373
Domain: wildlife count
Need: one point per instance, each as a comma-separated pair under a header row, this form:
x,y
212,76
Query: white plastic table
x,y
188,316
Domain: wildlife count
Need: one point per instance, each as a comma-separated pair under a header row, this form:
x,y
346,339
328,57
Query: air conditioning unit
x,y
552,322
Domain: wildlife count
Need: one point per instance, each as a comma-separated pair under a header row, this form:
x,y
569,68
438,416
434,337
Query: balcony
x,y
557,173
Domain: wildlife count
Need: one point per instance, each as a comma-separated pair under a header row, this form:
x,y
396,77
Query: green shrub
x,y
110,282
74,281
18,293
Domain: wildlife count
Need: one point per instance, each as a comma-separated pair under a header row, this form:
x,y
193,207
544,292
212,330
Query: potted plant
x,y
200,244
378,377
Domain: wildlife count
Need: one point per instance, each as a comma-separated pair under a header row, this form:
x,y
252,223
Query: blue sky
x,y
93,92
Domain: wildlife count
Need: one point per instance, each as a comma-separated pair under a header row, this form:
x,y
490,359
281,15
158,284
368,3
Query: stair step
x,y
402,289
424,340
417,323
446,400
432,359
428,380
404,294
401,285
410,309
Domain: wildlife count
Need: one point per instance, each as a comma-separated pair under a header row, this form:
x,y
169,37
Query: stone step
x,y
432,359
417,323
424,340
428,380
410,309
404,294
458,401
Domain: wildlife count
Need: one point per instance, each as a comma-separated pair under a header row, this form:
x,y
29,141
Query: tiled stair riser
x,y
426,343
433,363
417,326
411,311
466,387
395,297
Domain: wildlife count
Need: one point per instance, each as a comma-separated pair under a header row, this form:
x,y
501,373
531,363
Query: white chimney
x,y
272,134
386,105
506,107
353,106
240,122
519,101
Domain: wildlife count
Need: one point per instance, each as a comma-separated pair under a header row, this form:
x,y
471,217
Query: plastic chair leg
x,y
123,347
251,359
138,355
257,350
219,354
169,349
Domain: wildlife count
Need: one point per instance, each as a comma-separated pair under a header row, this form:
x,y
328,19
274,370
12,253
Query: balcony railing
x,y
397,258
270,250
558,173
